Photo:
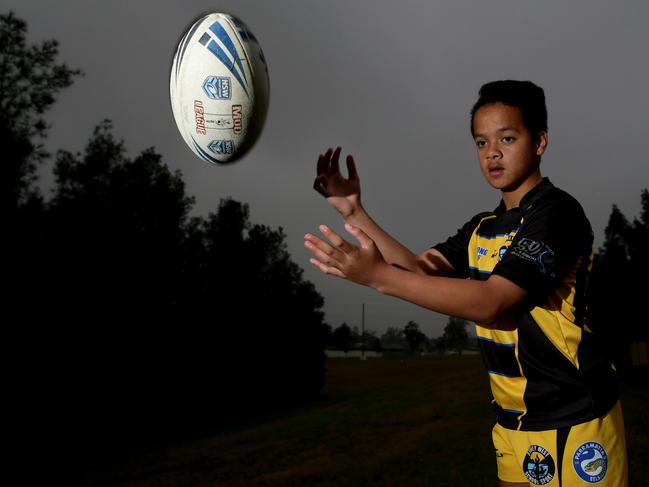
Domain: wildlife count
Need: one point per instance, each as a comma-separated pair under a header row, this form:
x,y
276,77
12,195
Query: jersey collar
x,y
528,200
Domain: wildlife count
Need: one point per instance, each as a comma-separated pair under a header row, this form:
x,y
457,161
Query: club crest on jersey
x,y
538,465
537,252
591,462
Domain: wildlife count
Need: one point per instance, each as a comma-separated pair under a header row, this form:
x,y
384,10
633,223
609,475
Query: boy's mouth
x,y
495,170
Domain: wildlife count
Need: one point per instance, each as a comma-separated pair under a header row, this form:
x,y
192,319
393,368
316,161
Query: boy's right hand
x,y
343,194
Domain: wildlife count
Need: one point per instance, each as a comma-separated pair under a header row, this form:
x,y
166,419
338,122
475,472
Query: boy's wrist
x,y
357,214
383,279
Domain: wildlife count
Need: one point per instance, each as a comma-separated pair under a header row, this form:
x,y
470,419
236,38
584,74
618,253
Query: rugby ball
x,y
219,88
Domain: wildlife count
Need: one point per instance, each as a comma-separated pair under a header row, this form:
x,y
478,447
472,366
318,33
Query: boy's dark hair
x,y
525,95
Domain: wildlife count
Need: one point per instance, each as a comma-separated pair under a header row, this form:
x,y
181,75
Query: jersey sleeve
x,y
456,247
553,236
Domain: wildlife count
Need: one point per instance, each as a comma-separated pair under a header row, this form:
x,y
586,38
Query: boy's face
x,y
508,154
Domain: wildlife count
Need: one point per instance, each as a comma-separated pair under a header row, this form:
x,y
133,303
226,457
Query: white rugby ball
x,y
219,88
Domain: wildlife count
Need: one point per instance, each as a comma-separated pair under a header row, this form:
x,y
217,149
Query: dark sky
x,y
392,83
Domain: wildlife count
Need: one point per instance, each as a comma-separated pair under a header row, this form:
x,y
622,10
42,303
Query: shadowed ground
x,y
411,421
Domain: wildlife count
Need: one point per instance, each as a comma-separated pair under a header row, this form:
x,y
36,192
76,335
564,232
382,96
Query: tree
x,y
110,272
342,337
362,340
30,80
638,243
414,336
159,316
371,341
612,265
118,224
440,345
246,295
616,238
455,335
617,285
393,338
325,334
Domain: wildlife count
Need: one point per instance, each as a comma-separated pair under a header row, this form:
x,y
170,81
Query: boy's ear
x,y
541,143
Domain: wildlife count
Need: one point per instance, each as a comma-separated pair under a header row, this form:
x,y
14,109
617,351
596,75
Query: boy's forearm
x,y
393,251
464,298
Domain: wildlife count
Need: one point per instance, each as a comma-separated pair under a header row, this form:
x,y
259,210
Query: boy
x,y
520,273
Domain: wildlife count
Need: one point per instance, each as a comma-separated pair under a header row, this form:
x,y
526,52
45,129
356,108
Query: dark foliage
x,y
455,335
414,336
618,285
30,80
128,321
141,324
342,337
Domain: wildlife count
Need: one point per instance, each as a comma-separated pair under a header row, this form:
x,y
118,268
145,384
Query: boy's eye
x,y
480,143
508,139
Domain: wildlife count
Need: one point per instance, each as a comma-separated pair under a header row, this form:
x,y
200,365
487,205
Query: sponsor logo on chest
x,y
491,251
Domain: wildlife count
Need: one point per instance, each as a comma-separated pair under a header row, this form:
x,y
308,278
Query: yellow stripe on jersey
x,y
550,372
561,331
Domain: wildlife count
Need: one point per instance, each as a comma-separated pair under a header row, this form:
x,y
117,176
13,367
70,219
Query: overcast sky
x,y
392,83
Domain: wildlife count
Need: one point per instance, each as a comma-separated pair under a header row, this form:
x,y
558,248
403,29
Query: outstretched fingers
x,y
323,172
323,163
352,173
335,165
327,269
324,252
320,184
329,163
328,258
365,241
336,239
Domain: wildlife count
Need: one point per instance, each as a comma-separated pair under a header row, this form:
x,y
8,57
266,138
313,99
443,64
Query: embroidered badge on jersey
x,y
537,252
591,462
538,465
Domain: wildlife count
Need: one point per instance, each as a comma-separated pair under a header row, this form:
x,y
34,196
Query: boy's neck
x,y
512,199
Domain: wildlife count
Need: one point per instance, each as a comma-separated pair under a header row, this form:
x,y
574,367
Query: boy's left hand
x,y
362,265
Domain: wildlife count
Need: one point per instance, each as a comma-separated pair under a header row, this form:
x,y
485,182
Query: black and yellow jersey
x,y
550,372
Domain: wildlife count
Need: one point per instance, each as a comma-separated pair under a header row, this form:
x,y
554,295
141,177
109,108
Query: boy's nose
x,y
494,155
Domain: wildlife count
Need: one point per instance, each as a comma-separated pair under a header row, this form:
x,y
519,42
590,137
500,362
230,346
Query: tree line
x,y
410,337
618,287
126,319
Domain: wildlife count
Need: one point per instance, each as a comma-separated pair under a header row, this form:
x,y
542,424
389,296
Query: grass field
x,y
420,421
